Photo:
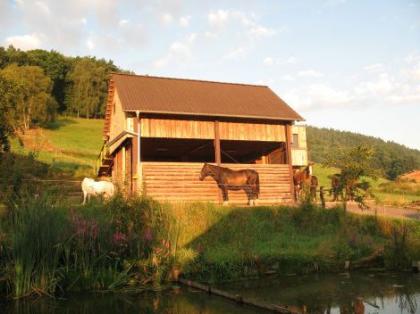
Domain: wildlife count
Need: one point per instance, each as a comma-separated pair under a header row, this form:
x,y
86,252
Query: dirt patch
x,y
35,139
382,210
413,175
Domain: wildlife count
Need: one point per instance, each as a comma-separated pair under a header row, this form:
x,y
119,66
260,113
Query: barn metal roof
x,y
151,94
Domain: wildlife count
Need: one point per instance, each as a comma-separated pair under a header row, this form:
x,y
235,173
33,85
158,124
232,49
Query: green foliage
x,y
14,170
87,90
78,86
389,158
354,165
9,92
49,247
33,102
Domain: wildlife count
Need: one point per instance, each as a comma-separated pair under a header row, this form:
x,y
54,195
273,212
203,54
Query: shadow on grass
x,y
58,123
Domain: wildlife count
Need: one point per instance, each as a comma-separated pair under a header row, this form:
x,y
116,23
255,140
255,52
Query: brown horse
x,y
227,179
336,190
304,177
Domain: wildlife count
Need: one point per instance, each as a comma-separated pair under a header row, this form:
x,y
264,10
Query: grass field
x,y
396,193
71,147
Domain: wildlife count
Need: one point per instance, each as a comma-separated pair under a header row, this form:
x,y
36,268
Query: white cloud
x,y
374,67
236,53
25,42
316,96
43,7
218,18
178,52
310,73
184,21
90,44
123,22
261,31
166,18
279,61
268,61
211,35
287,77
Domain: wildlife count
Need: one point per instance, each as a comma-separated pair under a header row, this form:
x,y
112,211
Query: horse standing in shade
x,y
227,179
304,177
97,188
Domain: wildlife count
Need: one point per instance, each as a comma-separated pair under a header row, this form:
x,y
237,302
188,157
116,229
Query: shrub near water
x,y
51,248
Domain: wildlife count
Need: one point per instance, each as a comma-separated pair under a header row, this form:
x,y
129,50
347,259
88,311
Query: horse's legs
x,y
84,197
225,196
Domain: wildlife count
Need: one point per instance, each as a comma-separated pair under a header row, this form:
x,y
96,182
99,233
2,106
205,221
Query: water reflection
x,y
345,293
355,293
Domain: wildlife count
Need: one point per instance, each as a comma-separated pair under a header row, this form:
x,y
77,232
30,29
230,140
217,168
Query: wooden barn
x,y
160,131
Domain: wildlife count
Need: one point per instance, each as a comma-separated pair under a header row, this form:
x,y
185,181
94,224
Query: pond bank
x,y
358,292
49,247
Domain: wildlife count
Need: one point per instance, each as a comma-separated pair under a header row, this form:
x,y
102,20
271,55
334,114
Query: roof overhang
x,y
215,115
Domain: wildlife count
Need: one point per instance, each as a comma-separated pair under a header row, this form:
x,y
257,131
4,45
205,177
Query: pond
x,y
361,292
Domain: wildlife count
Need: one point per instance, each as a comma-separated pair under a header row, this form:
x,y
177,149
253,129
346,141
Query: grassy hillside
x,y
390,158
69,145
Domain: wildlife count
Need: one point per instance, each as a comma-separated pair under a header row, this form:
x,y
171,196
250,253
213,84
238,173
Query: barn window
x,y
295,140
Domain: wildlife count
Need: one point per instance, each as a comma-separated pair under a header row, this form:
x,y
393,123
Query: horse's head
x,y
205,171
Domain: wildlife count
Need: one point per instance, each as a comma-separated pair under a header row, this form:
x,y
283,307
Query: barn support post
x,y
123,182
288,129
139,173
217,152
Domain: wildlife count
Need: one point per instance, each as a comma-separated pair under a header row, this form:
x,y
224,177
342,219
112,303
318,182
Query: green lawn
x,y
74,145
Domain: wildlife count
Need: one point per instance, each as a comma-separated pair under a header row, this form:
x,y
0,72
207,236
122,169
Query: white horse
x,y
96,188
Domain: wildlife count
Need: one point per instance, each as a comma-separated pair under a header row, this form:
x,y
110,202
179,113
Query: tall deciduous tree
x,y
34,103
88,86
55,66
9,92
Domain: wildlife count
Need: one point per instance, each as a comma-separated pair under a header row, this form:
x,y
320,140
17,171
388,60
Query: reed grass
x,y
49,247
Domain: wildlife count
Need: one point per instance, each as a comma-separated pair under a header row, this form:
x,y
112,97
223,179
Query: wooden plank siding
x,y
204,129
169,128
300,149
172,181
252,132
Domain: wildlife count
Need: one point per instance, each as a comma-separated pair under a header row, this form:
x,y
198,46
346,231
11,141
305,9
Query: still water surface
x,y
333,293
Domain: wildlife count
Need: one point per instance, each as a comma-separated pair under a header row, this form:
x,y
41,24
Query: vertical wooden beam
x,y
123,166
217,152
289,158
138,160
134,164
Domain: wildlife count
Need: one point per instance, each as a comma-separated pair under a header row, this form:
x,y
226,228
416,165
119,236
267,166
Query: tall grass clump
x,y
37,231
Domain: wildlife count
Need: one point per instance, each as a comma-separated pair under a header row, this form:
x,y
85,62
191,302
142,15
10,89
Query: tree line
x,y
36,85
388,158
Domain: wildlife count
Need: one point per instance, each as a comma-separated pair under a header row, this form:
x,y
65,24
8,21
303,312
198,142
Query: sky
x,y
345,64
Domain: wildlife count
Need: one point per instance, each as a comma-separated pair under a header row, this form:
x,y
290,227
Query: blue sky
x,y
347,64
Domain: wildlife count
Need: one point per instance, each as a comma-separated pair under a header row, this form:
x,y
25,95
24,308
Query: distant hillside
x,y
390,158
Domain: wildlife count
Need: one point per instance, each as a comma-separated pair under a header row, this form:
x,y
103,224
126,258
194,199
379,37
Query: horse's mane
x,y
219,168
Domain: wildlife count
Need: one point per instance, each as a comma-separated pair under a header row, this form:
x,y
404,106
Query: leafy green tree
x,y
9,93
34,103
355,166
88,87
55,66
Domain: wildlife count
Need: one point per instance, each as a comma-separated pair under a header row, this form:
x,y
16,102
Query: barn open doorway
x,y
202,150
